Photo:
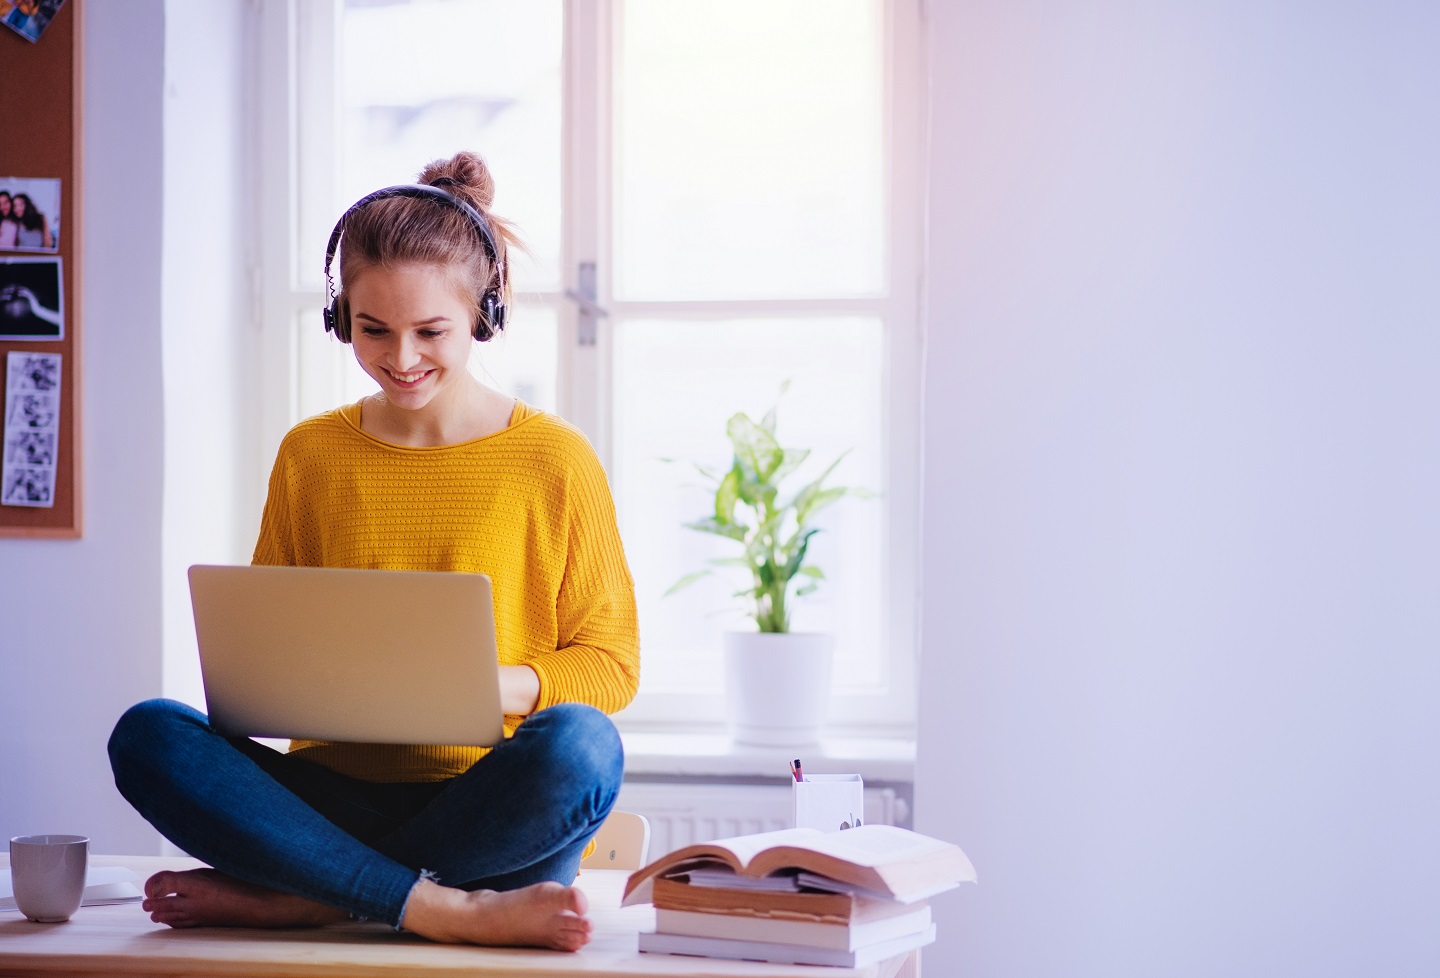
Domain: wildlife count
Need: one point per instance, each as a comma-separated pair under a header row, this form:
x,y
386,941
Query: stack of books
x,y
799,896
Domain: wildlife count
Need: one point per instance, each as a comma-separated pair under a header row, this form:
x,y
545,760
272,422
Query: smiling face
x,y
4,205
19,205
411,331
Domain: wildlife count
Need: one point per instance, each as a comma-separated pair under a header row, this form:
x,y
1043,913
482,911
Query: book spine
x,y
807,933
713,947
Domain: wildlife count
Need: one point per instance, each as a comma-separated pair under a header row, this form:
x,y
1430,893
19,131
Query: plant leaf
x,y
819,501
757,493
729,530
768,422
797,557
801,500
756,449
725,497
685,582
794,458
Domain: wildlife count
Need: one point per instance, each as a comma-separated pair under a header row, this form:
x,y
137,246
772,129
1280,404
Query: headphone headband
x,y
492,307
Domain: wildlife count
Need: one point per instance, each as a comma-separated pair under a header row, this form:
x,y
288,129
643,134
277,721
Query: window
x,y
737,185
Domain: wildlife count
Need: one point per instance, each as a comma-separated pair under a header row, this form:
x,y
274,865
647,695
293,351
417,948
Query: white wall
x,y
211,506
1182,487
82,626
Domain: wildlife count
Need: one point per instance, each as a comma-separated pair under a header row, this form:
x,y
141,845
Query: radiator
x,y
681,814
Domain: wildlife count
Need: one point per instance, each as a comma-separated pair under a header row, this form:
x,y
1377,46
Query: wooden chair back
x,y
623,842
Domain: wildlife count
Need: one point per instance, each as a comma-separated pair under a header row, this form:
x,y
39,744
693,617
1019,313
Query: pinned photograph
x,y
32,429
33,371
28,487
30,299
30,448
32,411
29,18
29,213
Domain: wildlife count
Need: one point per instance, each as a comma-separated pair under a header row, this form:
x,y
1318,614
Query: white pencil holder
x,y
829,802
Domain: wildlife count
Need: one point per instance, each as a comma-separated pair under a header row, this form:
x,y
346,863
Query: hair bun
x,y
466,176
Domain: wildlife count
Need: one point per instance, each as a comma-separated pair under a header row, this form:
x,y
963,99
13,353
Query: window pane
x,y
677,383
749,149
423,79
521,360
328,375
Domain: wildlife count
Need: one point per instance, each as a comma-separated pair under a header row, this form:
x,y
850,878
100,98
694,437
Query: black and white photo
x,y
34,371
30,448
32,428
25,486
32,411
31,294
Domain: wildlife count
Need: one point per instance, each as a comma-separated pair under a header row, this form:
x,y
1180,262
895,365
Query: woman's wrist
x,y
519,690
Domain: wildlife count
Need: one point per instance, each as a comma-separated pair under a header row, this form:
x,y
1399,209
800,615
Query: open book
x,y
679,893
877,860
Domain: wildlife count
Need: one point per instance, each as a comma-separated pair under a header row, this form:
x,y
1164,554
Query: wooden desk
x,y
121,941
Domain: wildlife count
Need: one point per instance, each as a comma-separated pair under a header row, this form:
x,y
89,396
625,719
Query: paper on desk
x,y
103,885
724,876
815,881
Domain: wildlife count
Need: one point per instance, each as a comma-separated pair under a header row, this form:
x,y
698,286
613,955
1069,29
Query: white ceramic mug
x,y
48,874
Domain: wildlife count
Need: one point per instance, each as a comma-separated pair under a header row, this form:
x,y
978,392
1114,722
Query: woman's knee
x,y
149,723
583,740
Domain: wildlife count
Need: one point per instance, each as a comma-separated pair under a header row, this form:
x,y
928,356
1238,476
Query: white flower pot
x,y
777,686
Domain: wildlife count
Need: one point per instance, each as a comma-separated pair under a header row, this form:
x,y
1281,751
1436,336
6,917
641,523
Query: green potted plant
x,y
777,682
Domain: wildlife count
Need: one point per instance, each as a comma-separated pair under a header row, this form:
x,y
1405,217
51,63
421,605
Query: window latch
x,y
584,296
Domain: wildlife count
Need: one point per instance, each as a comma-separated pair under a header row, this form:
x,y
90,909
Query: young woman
x,y
34,229
432,472
9,227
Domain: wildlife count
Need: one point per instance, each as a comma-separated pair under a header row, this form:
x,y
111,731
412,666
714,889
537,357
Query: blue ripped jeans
x,y
520,815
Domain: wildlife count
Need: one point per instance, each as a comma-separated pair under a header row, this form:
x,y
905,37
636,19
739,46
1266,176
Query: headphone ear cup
x,y
337,318
492,316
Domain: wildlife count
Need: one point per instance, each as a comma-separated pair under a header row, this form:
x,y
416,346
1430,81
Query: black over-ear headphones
x,y
492,306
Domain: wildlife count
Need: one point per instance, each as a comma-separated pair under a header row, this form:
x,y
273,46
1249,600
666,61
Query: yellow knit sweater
x,y
529,506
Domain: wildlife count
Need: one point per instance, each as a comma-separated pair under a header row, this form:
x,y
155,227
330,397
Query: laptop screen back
x,y
366,656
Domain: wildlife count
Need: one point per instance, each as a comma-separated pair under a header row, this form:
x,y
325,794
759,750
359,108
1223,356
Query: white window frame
x,y
298,142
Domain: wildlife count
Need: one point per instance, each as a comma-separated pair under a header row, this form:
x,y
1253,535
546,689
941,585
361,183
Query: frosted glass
x,y
749,149
327,373
521,360
677,383
423,79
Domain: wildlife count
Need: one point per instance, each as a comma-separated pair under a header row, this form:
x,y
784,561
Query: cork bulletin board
x,y
40,274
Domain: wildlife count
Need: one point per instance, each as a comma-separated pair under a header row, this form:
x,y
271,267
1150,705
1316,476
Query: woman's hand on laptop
x,y
519,690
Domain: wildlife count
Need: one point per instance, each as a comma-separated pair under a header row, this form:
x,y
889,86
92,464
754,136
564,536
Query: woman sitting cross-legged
x,y
438,472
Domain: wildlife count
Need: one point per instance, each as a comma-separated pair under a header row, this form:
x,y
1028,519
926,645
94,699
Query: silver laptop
x,y
366,656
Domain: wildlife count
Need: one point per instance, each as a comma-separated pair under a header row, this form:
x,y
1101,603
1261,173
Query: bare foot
x,y
543,915
209,898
